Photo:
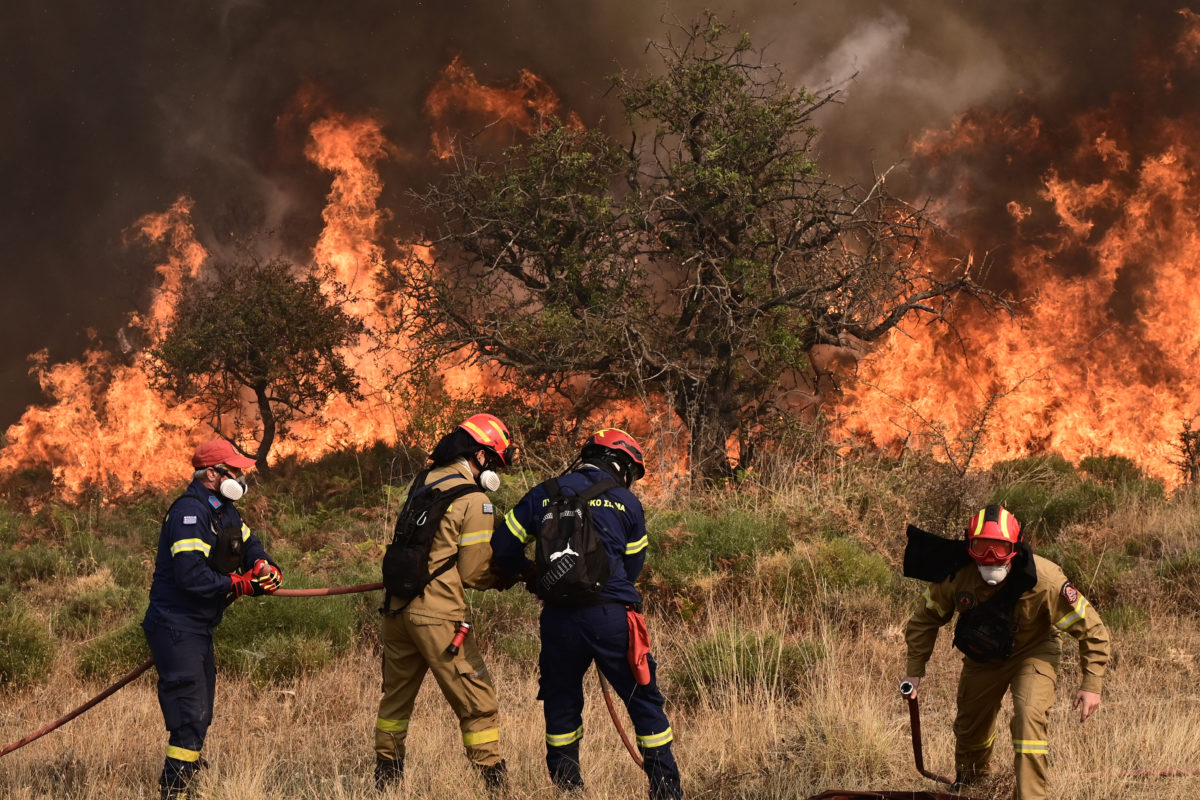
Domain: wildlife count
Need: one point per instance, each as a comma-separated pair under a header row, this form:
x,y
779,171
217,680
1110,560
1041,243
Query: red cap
x,y
219,451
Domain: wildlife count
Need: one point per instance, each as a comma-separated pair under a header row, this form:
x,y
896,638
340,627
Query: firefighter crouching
x,y
206,557
418,630
1012,606
600,629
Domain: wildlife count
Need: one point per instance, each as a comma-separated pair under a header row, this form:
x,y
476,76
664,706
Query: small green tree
x,y
266,333
700,265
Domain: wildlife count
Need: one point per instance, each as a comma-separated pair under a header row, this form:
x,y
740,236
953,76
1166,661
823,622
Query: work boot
x,y
388,772
175,781
495,777
962,781
660,767
563,764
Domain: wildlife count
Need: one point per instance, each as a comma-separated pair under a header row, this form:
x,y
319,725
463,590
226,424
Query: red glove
x,y
242,585
267,576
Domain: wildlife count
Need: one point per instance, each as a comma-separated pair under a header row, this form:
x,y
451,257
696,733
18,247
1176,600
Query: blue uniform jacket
x,y
617,516
186,593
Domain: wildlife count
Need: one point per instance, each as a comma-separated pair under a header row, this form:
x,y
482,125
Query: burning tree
x,y
256,334
699,266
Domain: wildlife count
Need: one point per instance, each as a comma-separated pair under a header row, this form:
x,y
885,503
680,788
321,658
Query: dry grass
x,y
839,722
844,727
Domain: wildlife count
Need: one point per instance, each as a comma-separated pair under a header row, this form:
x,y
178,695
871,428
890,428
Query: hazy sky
x,y
113,110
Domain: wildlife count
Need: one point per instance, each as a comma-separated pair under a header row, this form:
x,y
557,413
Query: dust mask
x,y
232,489
993,573
489,481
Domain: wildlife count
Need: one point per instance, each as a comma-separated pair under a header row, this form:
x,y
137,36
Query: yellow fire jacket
x,y
1051,607
466,529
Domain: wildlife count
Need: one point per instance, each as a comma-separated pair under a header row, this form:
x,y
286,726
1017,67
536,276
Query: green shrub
x,y
264,637
685,546
1044,510
114,653
837,564
93,609
26,647
522,647
1097,574
276,657
1123,474
35,562
1034,468
737,660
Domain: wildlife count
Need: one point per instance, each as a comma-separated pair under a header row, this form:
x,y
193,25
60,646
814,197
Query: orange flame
x,y
1104,260
458,102
105,427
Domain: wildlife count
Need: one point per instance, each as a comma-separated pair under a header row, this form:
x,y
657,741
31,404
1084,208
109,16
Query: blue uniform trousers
x,y
572,638
187,684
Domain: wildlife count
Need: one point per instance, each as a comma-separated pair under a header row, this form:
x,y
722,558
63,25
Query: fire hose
x,y
612,712
145,665
914,717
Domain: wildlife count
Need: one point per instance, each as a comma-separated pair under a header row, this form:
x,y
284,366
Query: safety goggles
x,y
991,550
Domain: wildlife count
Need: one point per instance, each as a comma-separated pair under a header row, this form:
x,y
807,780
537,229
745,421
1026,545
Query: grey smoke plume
x,y
115,109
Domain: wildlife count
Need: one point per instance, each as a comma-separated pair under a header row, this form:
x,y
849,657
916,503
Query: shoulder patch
x,y
190,519
213,501
488,509
1069,593
964,601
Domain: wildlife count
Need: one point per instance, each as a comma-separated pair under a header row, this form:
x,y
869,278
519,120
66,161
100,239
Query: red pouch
x,y
639,647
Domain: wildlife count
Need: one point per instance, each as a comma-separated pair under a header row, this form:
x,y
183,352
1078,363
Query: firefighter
x,y
1012,606
207,557
416,632
573,636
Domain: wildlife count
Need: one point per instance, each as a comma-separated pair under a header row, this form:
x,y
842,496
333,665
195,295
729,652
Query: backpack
x,y
406,560
571,562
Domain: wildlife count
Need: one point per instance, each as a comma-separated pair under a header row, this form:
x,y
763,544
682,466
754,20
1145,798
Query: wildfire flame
x,y
106,427
1101,251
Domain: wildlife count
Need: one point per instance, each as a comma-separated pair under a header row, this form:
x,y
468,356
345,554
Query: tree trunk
x,y
267,414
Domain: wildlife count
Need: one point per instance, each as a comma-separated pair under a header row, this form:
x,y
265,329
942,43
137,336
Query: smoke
x,y
114,113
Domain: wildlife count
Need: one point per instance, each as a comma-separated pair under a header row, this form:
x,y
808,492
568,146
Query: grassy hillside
x,y
776,610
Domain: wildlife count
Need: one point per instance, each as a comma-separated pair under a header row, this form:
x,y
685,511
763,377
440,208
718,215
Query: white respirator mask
x,y
993,573
489,481
231,488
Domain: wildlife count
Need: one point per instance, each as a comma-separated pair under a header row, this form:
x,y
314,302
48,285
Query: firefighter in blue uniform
x,y
206,558
573,636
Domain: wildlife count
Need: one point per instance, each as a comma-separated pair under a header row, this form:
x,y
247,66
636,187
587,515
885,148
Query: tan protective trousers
x,y
414,644
981,689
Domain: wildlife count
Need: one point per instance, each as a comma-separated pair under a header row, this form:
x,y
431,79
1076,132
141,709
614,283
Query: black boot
x,y
495,777
660,767
388,772
563,763
176,779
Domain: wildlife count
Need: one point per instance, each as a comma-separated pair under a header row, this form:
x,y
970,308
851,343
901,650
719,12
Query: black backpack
x,y
406,560
572,564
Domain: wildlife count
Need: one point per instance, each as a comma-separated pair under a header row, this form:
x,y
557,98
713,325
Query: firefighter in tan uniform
x,y
1012,606
417,631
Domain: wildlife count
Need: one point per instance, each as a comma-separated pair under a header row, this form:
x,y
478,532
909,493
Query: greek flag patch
x,y
487,508
189,520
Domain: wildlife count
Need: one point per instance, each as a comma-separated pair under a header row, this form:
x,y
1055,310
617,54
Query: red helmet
x,y
492,434
992,535
616,441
